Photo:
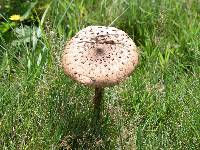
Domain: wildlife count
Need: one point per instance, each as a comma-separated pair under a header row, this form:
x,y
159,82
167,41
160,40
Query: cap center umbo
x,y
99,51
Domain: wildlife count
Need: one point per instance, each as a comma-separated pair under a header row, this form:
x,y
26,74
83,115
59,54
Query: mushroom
x,y
99,56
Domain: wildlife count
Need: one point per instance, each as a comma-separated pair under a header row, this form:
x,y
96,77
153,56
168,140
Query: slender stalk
x,y
97,102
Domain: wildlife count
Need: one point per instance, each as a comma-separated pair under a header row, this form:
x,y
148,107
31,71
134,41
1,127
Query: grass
x,y
158,107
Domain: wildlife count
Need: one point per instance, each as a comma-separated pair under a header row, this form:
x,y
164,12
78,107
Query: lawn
x,y
157,107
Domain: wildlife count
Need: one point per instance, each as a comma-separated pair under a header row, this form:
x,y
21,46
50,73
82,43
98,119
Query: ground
x,y
157,107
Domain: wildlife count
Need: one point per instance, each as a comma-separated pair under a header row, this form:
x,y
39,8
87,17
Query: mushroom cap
x,y
100,56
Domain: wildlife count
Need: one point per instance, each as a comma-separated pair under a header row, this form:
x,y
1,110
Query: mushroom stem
x,y
97,102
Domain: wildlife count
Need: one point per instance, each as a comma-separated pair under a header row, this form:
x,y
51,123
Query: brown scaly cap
x,y
100,56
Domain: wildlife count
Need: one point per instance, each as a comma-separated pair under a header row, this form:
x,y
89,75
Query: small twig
x,y
118,17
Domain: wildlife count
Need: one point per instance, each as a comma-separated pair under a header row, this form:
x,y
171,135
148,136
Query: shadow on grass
x,y
72,111
85,135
